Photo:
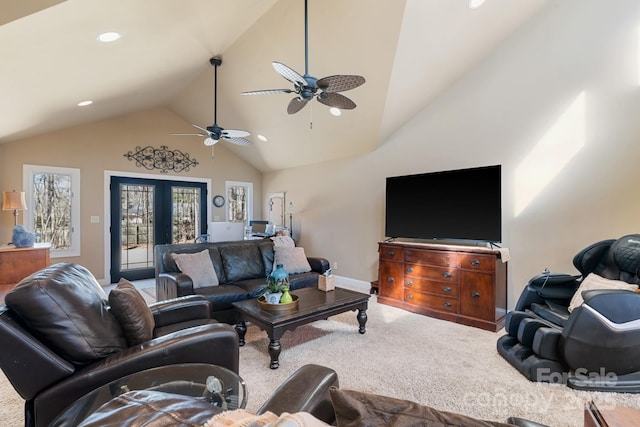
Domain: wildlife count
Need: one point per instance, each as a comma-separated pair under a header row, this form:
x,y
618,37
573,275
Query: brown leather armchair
x,y
60,339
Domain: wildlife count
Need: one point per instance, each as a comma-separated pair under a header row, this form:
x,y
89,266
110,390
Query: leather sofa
x,y
592,343
241,267
61,339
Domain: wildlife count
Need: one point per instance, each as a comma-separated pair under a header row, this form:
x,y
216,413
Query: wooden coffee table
x,y
313,304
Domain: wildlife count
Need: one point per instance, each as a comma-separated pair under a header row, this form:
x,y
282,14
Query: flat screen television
x,y
463,204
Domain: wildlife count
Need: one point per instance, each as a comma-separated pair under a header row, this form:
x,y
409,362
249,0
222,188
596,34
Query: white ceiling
x,y
409,52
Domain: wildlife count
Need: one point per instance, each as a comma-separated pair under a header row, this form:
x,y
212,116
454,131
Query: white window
x,y
53,201
239,201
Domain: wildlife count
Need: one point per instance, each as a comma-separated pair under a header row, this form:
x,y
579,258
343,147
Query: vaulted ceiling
x,y
409,51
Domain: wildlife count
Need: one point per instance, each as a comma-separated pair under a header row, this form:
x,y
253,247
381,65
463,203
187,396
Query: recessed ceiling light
x,y
474,4
84,103
335,111
262,138
109,37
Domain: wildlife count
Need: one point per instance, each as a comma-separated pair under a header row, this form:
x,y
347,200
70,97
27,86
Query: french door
x,y
149,212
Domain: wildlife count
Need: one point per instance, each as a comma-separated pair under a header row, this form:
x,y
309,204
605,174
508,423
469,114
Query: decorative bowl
x,y
278,308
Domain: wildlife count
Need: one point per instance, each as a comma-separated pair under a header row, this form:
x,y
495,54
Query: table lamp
x,y
12,200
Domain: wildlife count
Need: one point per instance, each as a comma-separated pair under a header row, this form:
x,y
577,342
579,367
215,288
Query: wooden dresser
x,y
461,284
18,263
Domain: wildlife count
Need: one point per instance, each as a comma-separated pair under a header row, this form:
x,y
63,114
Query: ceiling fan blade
x,y
295,105
207,133
289,74
233,133
238,141
194,134
336,100
267,91
340,83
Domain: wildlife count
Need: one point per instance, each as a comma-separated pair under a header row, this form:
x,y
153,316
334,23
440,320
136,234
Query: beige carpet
x,y
441,364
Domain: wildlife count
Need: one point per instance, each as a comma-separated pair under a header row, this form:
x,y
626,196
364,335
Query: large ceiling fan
x,y
215,133
325,90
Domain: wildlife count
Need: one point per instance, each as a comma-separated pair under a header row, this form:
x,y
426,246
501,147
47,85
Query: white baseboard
x,y
353,284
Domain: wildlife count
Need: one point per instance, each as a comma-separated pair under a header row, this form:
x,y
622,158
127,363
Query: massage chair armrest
x,y
306,390
319,265
181,309
619,306
215,344
173,285
555,287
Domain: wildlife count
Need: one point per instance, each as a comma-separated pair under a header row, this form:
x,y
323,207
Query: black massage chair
x,y
596,346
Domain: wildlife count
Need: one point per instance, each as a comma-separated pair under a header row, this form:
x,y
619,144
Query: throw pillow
x,y
283,241
198,267
293,259
133,313
594,281
358,409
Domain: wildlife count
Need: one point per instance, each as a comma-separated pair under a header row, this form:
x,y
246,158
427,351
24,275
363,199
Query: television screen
x,y
462,204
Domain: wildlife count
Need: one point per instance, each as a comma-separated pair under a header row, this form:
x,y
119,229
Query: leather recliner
x,y
60,339
596,346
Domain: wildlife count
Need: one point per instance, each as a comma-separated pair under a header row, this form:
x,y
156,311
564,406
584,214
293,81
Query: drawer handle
x,y
409,296
409,282
447,289
391,253
390,279
475,262
447,304
410,270
475,294
447,275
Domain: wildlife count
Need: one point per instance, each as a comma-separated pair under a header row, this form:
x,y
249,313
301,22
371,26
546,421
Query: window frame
x,y
28,172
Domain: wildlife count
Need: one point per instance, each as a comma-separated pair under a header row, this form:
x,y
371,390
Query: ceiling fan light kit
x,y
306,87
215,133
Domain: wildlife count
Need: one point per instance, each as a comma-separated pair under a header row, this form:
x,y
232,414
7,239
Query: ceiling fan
x,y
325,90
215,133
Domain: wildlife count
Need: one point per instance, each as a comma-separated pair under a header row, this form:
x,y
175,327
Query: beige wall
x,y
557,102
101,146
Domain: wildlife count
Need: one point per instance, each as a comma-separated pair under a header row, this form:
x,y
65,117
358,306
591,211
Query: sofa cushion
x,y
241,261
293,259
198,267
266,249
593,282
356,409
68,311
133,313
222,296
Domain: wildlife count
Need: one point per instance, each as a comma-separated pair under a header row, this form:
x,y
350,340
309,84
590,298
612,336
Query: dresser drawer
x,y
477,262
435,258
431,286
448,275
433,302
391,253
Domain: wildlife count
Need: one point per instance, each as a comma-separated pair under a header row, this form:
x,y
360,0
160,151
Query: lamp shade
x,y
12,200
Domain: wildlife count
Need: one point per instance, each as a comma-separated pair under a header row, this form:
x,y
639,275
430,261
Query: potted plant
x,y
274,288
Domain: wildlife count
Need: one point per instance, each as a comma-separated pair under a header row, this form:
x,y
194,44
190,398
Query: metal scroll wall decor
x,y
162,158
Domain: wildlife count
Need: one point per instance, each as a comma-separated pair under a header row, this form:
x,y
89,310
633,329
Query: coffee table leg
x,y
241,329
362,320
274,352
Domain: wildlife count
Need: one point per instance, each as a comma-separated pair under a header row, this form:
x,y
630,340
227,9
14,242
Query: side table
x,y
619,416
